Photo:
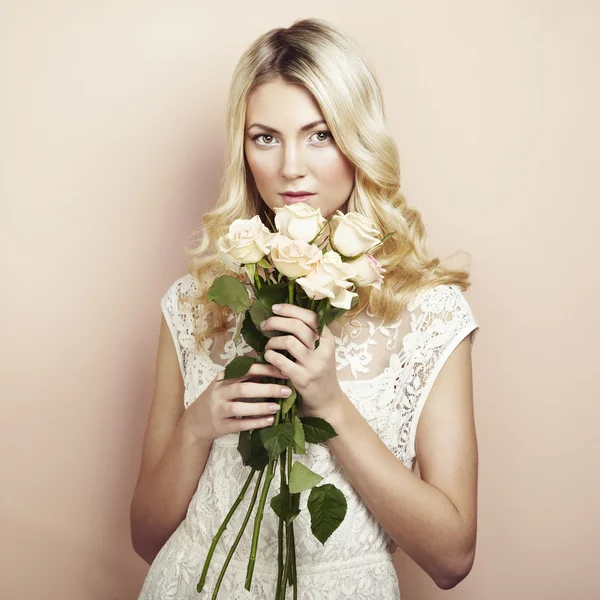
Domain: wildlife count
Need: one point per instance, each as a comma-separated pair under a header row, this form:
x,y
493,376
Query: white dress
x,y
387,373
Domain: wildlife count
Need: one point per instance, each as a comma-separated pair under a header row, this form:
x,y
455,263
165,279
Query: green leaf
x,y
326,314
386,237
259,313
239,366
229,291
301,297
299,441
287,403
317,430
302,478
238,331
252,335
327,506
273,294
250,269
251,449
244,445
280,503
263,262
275,439
322,314
383,240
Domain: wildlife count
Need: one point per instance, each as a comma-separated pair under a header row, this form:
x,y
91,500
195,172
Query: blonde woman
x,y
306,123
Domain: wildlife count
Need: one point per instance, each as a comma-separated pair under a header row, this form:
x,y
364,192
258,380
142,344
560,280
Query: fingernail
x,y
286,391
274,407
270,419
276,307
262,325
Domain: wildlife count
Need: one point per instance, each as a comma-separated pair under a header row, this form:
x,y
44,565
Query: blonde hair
x,y
313,54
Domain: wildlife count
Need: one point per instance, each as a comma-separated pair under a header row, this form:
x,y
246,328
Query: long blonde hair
x,y
313,54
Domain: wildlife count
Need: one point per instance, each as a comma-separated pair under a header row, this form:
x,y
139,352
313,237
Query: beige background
x,y
112,120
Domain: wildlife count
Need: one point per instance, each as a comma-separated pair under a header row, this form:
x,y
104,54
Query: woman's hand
x,y
231,405
314,372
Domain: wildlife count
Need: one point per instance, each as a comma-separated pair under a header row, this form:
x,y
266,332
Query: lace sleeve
x,y
443,319
180,320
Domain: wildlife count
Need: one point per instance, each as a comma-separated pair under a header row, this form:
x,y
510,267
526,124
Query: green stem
x,y
258,519
239,536
294,575
313,304
291,292
287,562
288,530
257,277
222,529
290,450
280,531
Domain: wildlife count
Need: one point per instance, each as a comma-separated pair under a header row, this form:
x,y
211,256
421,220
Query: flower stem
x,y
287,561
294,576
312,305
280,531
222,529
288,528
289,470
258,521
291,292
239,536
257,278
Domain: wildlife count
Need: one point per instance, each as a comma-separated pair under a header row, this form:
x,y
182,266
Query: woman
x,y
306,115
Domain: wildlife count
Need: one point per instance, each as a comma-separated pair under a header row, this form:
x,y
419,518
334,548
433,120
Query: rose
x,y
353,233
293,258
247,241
299,221
329,278
367,271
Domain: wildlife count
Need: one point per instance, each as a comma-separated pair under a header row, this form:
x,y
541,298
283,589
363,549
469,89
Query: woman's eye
x,y
265,135
326,133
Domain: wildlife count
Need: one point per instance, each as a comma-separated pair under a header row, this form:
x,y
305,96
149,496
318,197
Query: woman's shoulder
x,y
438,298
178,311
182,286
442,305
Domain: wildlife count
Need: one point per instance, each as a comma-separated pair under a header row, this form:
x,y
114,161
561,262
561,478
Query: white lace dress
x,y
387,373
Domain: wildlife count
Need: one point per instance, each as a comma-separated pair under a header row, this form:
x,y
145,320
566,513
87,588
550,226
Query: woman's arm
x,y
433,519
162,496
173,458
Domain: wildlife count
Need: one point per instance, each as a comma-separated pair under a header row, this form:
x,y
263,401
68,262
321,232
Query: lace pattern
x,y
387,373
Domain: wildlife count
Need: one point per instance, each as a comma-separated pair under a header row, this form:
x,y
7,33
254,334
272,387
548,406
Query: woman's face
x,y
285,154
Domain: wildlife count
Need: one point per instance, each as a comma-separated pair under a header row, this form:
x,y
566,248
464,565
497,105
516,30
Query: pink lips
x,y
290,199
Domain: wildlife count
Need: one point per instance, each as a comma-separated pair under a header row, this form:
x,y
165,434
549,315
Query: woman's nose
x,y
293,162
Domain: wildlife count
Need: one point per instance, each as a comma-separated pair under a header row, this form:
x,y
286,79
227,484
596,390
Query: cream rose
x,y
329,279
368,271
353,233
247,241
299,221
293,258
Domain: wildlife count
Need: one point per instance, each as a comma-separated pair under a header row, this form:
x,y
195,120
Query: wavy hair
x,y
313,54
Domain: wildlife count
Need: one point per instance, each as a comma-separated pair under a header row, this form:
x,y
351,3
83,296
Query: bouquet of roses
x,y
299,263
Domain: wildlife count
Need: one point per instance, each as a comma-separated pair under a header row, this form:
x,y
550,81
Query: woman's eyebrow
x,y
272,130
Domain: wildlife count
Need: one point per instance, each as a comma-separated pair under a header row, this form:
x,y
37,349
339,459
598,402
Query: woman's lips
x,y
289,199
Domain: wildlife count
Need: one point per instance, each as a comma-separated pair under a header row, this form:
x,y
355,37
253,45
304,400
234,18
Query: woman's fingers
x,y
236,425
243,416
252,389
251,409
296,327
